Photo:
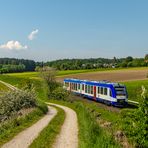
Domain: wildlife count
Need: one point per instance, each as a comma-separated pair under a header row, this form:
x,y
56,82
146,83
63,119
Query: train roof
x,y
97,83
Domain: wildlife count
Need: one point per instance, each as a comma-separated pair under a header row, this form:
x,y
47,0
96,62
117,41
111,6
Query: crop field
x,y
114,75
97,74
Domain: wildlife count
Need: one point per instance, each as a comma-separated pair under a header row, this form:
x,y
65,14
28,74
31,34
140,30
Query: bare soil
x,y
114,76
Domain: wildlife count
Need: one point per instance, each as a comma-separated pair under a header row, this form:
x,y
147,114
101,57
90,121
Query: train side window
x,y
66,84
105,91
92,90
102,90
110,93
78,86
98,90
86,88
82,86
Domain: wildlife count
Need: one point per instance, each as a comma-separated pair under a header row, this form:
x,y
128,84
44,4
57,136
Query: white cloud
x,y
13,45
32,34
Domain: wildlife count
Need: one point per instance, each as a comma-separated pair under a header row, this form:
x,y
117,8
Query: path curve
x,y
68,137
26,137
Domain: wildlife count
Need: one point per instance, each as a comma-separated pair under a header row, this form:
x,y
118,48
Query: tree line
x,y
93,63
8,65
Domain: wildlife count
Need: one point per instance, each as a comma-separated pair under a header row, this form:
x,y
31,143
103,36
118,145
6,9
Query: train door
x,y
94,92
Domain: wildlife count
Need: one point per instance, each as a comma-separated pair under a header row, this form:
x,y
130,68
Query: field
x,y
132,78
111,75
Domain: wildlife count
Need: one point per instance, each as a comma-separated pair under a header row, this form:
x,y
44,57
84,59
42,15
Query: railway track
x,y
132,104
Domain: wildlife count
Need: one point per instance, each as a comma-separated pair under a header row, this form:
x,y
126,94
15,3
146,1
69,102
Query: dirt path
x,y
8,85
25,138
68,137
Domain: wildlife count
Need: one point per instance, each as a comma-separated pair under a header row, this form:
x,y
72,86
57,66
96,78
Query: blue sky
x,y
73,28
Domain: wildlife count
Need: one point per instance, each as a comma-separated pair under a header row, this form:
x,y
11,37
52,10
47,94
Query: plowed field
x,y
114,76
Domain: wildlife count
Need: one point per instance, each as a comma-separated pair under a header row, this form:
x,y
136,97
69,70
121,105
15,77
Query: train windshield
x,y
120,91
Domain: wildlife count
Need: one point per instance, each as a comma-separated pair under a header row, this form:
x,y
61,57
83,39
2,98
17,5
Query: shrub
x,y
13,101
60,94
136,122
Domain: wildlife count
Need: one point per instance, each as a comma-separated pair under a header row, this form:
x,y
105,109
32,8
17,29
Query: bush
x,y
136,122
13,101
60,94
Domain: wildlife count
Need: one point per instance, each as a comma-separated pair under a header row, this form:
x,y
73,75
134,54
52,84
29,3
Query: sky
x,y
45,30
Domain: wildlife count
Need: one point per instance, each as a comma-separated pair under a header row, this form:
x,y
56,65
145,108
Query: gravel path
x,y
68,137
25,138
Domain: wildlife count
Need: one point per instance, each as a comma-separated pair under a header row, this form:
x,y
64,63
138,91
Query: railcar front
x,y
120,95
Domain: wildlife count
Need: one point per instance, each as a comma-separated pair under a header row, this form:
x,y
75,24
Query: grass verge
x,y
48,135
12,127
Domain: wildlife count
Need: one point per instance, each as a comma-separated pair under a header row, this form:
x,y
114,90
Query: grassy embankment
x,y
12,127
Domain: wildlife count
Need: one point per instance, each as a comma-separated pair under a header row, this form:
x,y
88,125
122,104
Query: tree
x,y
146,57
48,74
129,59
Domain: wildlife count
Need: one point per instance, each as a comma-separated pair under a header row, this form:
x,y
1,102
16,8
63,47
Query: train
x,y
107,92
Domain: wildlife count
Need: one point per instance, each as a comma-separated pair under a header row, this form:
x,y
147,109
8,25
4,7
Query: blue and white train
x,y
102,91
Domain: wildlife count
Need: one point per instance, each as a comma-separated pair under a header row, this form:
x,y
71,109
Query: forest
x,y
9,65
